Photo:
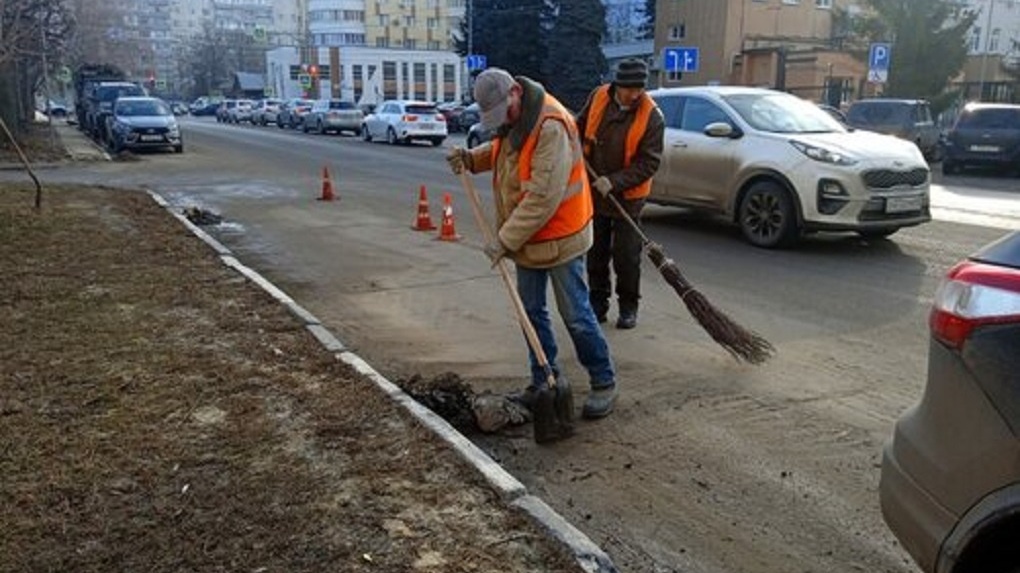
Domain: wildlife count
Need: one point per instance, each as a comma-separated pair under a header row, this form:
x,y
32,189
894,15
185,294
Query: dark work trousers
x,y
618,243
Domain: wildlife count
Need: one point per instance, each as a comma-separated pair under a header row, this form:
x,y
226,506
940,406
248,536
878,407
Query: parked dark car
x,y
984,135
143,122
950,481
100,105
477,135
908,119
292,113
470,115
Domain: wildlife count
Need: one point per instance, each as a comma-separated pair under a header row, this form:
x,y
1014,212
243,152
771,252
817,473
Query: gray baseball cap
x,y
492,90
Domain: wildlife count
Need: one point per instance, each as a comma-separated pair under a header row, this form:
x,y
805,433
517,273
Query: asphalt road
x,y
708,465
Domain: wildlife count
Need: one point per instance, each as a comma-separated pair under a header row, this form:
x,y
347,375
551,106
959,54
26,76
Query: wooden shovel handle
x,y
504,271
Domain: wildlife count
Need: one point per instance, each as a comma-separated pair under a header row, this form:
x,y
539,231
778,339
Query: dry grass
x,y
158,412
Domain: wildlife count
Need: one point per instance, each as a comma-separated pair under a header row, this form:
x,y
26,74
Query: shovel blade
x,y
553,413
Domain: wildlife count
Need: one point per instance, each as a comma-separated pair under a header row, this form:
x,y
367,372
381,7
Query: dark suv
x,y
100,106
985,135
950,482
908,119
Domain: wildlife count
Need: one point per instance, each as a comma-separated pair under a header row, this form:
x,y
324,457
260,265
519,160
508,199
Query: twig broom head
x,y
741,343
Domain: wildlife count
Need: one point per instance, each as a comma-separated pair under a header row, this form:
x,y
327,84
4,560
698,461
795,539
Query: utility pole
x,y
470,44
46,82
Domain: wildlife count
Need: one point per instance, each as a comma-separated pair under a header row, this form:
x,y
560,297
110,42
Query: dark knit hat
x,y
631,73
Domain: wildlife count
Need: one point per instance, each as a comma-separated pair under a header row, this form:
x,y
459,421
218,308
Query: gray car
x,y
908,119
950,482
333,115
144,122
984,135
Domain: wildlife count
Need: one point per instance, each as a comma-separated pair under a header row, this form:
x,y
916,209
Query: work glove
x,y
496,252
603,185
459,160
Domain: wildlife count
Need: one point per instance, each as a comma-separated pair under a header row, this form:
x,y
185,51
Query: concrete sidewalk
x,y
78,147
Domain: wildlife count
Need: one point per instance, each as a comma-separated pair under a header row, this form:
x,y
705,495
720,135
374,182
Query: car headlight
x,y
174,130
822,154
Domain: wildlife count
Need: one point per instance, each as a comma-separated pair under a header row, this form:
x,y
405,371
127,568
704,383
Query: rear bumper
x,y
918,521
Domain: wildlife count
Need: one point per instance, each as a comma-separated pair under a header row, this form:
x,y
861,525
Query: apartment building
x,y
994,49
782,44
376,50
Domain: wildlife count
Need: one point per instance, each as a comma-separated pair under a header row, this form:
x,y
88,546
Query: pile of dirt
x,y
159,412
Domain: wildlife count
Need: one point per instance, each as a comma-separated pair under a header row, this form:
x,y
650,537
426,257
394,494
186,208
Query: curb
x,y
589,556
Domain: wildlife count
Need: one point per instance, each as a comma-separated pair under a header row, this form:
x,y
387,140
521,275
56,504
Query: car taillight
x,y
440,117
409,118
974,295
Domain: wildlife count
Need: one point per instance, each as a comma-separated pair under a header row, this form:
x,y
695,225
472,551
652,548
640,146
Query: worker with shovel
x,y
543,211
622,130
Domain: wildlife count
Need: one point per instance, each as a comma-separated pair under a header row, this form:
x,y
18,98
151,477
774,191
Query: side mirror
x,y
722,129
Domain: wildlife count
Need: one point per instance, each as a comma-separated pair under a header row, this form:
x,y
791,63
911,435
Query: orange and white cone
x,y
447,231
424,221
327,186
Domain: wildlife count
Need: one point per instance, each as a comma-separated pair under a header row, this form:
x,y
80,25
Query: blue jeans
x,y
575,309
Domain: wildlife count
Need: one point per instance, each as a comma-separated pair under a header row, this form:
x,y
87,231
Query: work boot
x,y
600,402
627,319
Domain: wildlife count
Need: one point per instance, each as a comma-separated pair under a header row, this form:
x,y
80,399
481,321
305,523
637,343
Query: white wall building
x,y
996,29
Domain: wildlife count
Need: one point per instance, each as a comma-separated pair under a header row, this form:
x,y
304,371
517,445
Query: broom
x,y
741,343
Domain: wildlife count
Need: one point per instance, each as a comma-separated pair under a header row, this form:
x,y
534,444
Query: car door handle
x,y
679,144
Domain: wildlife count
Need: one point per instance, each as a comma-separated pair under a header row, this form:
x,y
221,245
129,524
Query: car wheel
x,y
767,217
876,234
179,148
437,142
366,135
279,124
391,137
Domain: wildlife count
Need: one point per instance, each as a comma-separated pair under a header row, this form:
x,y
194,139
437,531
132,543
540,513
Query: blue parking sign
x,y
680,59
879,57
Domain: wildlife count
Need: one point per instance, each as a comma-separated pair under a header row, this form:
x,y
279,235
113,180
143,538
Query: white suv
x,y
403,121
778,166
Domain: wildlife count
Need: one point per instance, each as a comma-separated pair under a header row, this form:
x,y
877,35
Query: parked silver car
x,y
333,115
143,122
950,485
778,166
404,121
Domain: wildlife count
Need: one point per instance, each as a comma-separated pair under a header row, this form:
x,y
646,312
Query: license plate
x,y
152,138
902,204
985,148
426,126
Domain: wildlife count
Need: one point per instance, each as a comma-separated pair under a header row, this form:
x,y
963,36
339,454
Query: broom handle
x,y
504,272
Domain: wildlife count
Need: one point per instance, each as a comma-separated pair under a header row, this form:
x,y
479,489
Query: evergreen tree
x,y
647,30
509,33
921,32
575,62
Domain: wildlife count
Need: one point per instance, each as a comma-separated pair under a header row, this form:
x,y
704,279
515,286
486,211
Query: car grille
x,y
887,178
149,130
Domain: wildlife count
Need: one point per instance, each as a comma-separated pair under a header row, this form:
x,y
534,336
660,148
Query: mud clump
x,y
448,395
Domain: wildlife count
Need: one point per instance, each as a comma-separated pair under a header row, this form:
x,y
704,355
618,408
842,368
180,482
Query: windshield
x,y
422,109
991,118
884,113
142,108
110,93
341,105
782,113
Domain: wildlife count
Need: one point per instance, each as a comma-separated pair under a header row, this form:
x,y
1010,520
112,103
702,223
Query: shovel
x,y
553,409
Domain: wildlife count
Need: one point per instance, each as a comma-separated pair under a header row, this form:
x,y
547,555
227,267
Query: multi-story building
x,y
994,50
784,44
375,50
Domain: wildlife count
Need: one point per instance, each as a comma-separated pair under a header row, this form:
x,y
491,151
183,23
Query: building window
x,y
678,32
432,22
823,3
975,39
993,42
384,19
382,42
435,45
791,2
411,44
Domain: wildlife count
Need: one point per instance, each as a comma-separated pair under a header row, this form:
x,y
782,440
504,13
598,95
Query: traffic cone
x,y
424,220
447,231
327,186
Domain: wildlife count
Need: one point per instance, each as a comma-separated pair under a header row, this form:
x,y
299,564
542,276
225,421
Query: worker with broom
x,y
622,131
543,210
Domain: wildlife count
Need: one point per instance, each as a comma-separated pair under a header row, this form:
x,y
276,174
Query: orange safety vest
x,y
576,208
637,130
